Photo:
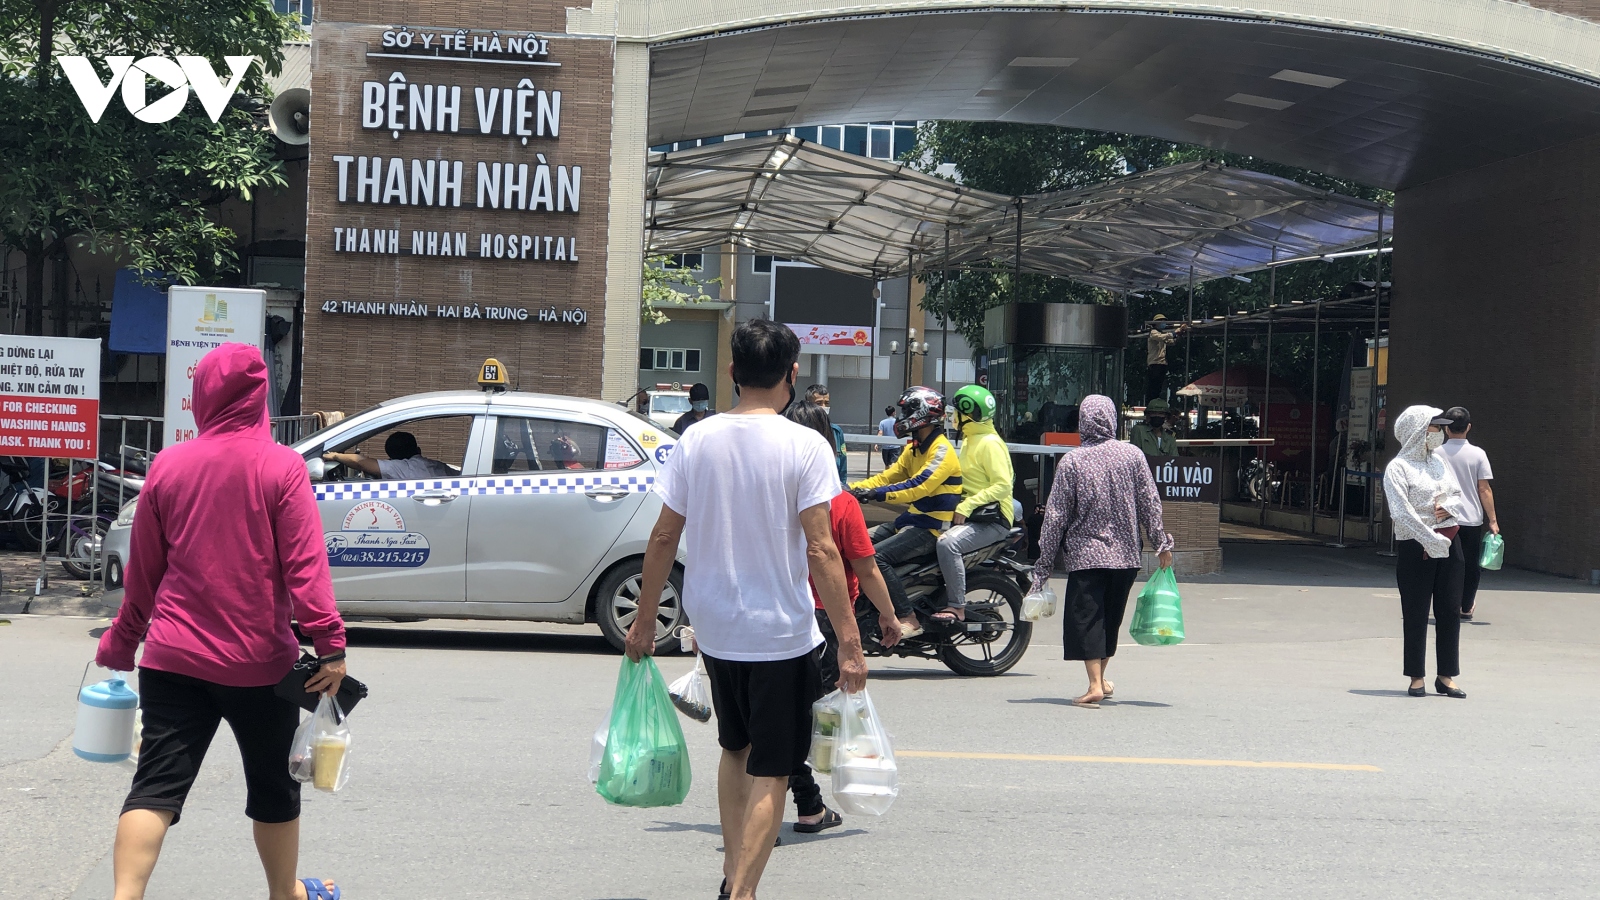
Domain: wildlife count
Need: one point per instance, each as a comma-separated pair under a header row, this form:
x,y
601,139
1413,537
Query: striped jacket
x,y
928,478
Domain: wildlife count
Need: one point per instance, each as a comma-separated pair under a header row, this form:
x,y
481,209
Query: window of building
x,y
805,134
855,139
833,136
682,359
880,144
694,261
763,264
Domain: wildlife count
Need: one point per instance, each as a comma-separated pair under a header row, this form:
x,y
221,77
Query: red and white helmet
x,y
919,407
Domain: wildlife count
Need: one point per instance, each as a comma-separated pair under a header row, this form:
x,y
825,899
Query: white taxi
x,y
520,506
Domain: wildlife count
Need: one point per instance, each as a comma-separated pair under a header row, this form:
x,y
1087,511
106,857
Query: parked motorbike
x,y
22,506
120,477
993,636
1260,480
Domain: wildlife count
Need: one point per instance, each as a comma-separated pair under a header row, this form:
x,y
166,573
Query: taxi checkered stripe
x,y
519,484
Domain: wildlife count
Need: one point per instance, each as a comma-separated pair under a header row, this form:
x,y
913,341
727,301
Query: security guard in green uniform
x,y
1152,435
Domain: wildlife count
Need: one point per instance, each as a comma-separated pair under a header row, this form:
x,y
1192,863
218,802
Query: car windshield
x,y
662,403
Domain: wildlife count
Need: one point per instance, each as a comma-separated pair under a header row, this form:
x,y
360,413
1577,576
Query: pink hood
x,y
227,544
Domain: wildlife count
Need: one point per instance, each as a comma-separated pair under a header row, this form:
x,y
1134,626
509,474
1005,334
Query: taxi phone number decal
x,y
385,549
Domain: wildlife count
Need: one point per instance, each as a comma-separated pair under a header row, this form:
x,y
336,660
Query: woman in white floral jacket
x,y
1424,501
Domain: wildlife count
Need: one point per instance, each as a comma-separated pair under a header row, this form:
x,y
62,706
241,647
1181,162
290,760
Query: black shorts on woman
x,y
180,717
1095,604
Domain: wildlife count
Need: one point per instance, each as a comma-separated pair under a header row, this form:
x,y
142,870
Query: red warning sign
x,y
49,396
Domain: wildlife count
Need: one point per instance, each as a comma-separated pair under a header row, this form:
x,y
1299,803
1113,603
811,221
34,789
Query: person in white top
x,y
405,462
748,492
1473,473
1424,504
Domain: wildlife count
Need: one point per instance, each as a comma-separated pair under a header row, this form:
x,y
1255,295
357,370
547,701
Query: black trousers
x,y
807,795
1155,377
1424,580
1472,554
181,715
896,547
890,454
1096,601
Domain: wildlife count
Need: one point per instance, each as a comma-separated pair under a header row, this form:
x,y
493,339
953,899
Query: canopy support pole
x,y
1372,429
1016,275
944,315
1188,339
1266,396
1316,350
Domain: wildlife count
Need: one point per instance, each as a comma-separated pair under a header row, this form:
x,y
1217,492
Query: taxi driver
x,y
405,461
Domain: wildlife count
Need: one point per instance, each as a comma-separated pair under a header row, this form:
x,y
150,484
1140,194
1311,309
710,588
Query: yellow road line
x,y
1141,761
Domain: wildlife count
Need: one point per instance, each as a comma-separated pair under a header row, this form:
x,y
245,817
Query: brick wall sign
x,y
457,200
1191,479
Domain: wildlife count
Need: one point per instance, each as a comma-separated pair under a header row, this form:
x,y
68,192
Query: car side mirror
x,y
316,468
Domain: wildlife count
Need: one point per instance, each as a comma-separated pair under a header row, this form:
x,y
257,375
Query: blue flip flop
x,y
316,890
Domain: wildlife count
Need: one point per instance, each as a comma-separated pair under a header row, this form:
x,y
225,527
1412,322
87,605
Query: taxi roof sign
x,y
492,377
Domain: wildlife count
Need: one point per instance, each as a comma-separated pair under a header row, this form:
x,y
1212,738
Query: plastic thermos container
x,y
105,721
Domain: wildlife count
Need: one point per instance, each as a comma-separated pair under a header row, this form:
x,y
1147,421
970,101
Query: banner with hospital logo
x,y
49,396
200,319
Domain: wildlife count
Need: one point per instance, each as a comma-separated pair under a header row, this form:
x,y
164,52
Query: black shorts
x,y
765,706
181,715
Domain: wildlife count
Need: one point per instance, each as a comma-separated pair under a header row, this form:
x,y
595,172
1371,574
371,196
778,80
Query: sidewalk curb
x,y
55,606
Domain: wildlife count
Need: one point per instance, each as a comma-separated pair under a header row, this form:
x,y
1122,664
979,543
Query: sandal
x,y
316,890
830,819
947,616
1109,688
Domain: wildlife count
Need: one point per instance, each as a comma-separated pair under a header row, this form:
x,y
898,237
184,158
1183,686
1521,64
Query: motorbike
x,y
991,639
120,477
22,506
1260,480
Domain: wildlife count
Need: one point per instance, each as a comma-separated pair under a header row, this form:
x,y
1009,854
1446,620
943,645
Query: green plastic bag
x,y
1494,552
1158,619
645,762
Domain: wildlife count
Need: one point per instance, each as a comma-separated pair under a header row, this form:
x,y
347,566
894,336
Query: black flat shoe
x,y
1418,691
1466,615
1455,692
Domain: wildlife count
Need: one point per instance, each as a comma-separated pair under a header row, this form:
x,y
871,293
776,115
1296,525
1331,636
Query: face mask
x,y
699,405
791,398
1435,440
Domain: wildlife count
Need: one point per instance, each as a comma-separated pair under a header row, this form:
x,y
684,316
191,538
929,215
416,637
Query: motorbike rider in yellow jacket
x,y
927,477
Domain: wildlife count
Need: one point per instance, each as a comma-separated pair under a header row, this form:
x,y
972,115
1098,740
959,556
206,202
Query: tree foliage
x,y
1019,159
122,184
667,285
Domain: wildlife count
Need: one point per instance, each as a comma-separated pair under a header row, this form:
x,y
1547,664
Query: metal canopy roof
x,y
787,197
1388,112
1341,315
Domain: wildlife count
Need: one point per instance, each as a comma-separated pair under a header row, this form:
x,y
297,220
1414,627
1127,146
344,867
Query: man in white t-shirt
x,y
1472,470
405,462
748,492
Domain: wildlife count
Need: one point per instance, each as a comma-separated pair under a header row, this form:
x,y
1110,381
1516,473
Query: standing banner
x,y
198,320
49,396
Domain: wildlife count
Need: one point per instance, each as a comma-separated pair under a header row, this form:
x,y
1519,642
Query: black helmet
x,y
919,407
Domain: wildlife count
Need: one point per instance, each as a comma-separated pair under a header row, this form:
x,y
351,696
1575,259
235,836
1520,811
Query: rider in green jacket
x,y
985,512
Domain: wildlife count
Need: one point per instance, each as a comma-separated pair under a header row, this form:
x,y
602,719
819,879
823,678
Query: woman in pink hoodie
x,y
226,547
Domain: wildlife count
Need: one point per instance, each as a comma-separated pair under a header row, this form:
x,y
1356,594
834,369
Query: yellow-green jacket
x,y
986,475
928,478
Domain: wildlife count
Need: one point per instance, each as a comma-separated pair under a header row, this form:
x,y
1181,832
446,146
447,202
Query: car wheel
x,y
617,605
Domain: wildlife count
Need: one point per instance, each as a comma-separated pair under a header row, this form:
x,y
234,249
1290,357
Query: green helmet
x,y
975,403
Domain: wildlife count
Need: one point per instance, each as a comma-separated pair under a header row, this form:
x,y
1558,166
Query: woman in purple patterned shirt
x,y
1103,494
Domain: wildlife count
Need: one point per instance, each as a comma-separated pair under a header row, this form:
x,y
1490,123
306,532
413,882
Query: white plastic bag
x,y
597,747
865,778
1039,605
320,753
691,694
825,714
